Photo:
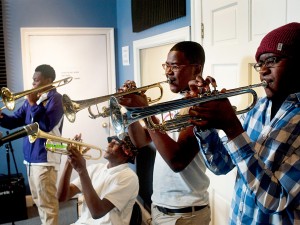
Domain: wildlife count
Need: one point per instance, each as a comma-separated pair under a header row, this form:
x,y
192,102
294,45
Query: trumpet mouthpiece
x,y
264,83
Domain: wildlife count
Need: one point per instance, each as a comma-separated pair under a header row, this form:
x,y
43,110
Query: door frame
x,y
181,34
196,21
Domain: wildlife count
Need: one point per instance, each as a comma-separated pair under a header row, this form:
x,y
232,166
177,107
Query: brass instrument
x,y
59,145
9,98
122,117
72,107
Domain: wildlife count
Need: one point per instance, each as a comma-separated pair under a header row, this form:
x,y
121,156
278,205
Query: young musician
x,y
265,145
109,189
42,166
180,184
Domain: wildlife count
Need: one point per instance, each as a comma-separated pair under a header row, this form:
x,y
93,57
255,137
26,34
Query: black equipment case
x,y
12,198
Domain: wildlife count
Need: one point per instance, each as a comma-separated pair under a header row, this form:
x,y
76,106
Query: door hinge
x,y
202,30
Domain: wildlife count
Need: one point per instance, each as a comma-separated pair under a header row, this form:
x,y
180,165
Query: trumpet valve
x,y
84,150
105,111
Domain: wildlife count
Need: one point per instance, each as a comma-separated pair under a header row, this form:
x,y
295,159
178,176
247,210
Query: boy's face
x,y
115,150
278,76
39,80
186,71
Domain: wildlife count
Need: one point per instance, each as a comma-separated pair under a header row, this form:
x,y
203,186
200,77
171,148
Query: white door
x,y
233,30
88,56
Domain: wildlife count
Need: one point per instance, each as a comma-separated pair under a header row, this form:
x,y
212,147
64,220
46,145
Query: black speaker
x,y
12,198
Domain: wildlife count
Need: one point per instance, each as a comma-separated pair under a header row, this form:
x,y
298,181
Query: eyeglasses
x,y
176,68
269,62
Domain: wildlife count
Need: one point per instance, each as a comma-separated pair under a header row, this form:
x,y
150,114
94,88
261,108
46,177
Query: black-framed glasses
x,y
269,62
176,68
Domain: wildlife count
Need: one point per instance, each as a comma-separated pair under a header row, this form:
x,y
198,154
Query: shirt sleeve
x,y
48,116
123,189
275,187
214,152
15,120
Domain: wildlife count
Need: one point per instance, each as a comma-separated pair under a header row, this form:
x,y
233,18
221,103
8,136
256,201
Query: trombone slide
x,y
9,98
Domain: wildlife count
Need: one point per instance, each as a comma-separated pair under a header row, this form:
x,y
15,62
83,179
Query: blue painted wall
x,y
126,36
71,13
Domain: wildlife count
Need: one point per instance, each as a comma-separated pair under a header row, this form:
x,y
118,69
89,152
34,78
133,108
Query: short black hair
x,y
193,51
47,71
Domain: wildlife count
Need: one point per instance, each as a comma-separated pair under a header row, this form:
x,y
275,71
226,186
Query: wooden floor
x,y
68,213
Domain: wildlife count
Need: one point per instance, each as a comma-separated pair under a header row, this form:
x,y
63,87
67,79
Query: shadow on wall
x,y
144,169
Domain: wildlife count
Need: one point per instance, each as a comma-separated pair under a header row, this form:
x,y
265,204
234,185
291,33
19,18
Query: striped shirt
x,y
267,158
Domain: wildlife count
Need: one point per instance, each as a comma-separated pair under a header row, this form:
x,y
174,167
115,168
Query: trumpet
x,y
72,107
121,117
9,98
59,144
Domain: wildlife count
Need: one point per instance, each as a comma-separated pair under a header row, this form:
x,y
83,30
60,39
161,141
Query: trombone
x,y
72,107
122,117
9,98
59,144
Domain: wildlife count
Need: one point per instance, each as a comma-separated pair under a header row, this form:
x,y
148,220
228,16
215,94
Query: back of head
x,y
284,41
193,51
47,71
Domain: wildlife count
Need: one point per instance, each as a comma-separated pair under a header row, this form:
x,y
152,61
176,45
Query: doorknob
x,y
104,125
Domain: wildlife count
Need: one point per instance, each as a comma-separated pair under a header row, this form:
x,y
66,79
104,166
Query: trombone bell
x,y
8,99
71,107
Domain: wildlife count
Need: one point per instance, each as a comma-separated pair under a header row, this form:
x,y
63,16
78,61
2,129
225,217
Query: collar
x,y
294,98
42,98
116,169
45,96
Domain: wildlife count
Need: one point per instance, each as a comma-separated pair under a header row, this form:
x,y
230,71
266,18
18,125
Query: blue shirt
x,y
48,114
267,158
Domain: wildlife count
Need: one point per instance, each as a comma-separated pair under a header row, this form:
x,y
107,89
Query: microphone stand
x,y
9,148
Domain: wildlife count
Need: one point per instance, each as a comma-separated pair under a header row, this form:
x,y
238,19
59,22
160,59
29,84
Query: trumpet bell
x,y
117,118
62,148
59,145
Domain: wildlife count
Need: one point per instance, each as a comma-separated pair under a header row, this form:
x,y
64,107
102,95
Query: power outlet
x,y
29,201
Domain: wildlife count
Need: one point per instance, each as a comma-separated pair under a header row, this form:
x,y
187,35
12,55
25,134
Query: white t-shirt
x,y
183,189
119,185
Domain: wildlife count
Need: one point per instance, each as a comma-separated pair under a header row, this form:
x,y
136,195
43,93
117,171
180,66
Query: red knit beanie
x,y
284,41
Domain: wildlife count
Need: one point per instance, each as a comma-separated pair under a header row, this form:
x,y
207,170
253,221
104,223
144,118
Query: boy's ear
x,y
49,80
127,151
198,69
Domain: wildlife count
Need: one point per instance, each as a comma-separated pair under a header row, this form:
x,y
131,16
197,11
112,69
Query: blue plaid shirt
x,y
267,158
